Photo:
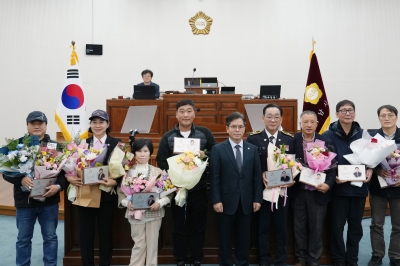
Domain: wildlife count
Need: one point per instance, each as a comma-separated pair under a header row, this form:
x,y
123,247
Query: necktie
x,y
238,158
271,139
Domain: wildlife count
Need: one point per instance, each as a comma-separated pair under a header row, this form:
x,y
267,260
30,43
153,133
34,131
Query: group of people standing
x,y
238,195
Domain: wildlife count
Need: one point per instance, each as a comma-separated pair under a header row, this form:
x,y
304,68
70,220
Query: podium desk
x,y
200,90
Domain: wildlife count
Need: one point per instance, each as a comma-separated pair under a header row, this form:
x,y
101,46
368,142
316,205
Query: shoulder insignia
x,y
255,132
287,133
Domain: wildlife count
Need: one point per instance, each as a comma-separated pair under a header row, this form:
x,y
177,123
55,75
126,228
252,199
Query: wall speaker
x,y
94,49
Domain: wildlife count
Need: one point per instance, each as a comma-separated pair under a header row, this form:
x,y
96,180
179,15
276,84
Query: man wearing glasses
x,y
348,200
380,197
236,190
270,135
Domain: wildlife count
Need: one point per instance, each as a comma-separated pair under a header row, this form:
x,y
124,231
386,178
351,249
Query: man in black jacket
x,y
380,197
310,204
189,220
28,210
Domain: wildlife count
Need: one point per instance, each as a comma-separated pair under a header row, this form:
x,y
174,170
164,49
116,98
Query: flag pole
x,y
312,47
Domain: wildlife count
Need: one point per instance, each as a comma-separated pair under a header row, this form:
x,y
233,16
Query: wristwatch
x,y
59,188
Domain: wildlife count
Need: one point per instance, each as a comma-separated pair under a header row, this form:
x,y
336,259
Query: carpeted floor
x,y
9,231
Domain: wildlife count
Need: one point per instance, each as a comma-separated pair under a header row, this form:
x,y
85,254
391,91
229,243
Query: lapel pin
x,y
265,139
248,148
279,139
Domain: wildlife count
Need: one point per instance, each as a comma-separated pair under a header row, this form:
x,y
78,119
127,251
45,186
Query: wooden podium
x,y
213,111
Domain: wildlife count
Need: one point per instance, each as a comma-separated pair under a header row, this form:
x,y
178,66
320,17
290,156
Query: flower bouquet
x,y
18,158
49,162
164,184
319,158
369,151
137,182
392,164
278,159
185,171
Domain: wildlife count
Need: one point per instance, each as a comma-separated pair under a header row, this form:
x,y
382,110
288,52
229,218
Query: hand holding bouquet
x,y
392,164
185,171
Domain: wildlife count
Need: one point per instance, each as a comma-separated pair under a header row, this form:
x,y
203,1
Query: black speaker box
x,y
94,49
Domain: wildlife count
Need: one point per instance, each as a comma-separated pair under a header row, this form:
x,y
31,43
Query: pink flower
x,y
47,164
284,166
186,159
181,165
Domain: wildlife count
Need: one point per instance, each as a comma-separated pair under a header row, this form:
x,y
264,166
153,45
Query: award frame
x,y
39,186
90,174
186,144
348,172
143,201
310,177
274,178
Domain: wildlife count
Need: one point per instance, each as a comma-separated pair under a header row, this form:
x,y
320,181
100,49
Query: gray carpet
x,y
9,232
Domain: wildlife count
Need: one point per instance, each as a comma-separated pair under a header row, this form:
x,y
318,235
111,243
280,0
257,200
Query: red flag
x,y
315,97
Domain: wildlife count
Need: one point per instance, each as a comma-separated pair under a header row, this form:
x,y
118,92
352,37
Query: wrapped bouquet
x,y
392,164
185,171
278,159
19,158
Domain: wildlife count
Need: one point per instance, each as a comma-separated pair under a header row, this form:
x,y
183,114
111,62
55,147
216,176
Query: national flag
x,y
70,114
315,98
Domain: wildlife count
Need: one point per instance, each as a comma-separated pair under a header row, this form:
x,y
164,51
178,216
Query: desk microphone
x,y
198,110
221,83
190,87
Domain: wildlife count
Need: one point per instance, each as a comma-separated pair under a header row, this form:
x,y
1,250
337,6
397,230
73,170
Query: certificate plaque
x,y
143,201
351,172
186,144
39,186
312,178
279,177
93,175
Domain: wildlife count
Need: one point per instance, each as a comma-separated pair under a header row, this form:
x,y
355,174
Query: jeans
x,y
48,220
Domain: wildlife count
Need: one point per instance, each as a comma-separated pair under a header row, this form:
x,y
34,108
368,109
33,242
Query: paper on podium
x,y
140,118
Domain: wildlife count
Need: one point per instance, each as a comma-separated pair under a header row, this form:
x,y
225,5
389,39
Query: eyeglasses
x,y
270,118
344,111
236,127
389,116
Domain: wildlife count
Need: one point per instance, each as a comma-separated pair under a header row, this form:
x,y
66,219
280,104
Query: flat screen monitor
x,y
227,90
144,92
209,82
270,91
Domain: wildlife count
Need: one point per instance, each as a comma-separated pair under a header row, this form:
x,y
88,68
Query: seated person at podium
x,y
147,75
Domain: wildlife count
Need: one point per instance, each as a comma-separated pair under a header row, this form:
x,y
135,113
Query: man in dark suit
x,y
357,172
272,117
285,177
236,190
310,204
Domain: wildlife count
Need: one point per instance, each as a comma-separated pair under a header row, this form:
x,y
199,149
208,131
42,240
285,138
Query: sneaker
x,y
375,261
300,263
196,263
394,262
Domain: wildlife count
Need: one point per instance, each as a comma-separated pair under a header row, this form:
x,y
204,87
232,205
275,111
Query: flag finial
x,y
312,46
74,55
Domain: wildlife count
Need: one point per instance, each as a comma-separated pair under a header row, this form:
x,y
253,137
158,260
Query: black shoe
x,y
265,264
375,261
300,263
180,263
394,262
196,263
352,264
339,264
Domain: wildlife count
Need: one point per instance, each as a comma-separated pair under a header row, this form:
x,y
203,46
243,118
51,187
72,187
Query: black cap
x,y
99,113
36,116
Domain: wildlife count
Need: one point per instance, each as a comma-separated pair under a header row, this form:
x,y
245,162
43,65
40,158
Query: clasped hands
x,y
218,207
154,207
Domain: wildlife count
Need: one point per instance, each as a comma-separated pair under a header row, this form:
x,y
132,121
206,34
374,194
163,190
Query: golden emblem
x,y
200,23
312,93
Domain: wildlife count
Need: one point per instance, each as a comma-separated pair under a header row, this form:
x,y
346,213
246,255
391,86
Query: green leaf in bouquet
x,y
98,164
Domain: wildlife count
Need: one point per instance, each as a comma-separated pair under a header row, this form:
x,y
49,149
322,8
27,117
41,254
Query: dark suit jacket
x,y
285,178
357,174
321,198
230,187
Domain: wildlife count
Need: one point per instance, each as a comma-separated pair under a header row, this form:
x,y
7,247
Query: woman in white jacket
x,y
145,231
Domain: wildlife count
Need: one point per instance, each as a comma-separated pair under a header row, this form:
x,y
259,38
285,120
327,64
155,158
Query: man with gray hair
x,y
310,203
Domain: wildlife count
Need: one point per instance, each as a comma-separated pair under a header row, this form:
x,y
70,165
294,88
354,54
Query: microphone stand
x,y
191,82
132,137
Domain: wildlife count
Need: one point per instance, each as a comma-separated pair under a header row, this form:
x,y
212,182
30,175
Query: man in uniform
x,y
272,117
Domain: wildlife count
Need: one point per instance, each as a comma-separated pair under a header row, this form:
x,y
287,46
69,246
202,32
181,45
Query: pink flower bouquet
x,y
392,164
319,158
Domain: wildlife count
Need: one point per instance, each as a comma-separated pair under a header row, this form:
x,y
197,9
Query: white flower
x,y
23,158
197,161
91,156
11,156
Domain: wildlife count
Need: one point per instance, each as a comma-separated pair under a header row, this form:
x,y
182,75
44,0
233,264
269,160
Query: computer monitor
x,y
270,91
144,92
209,82
227,90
